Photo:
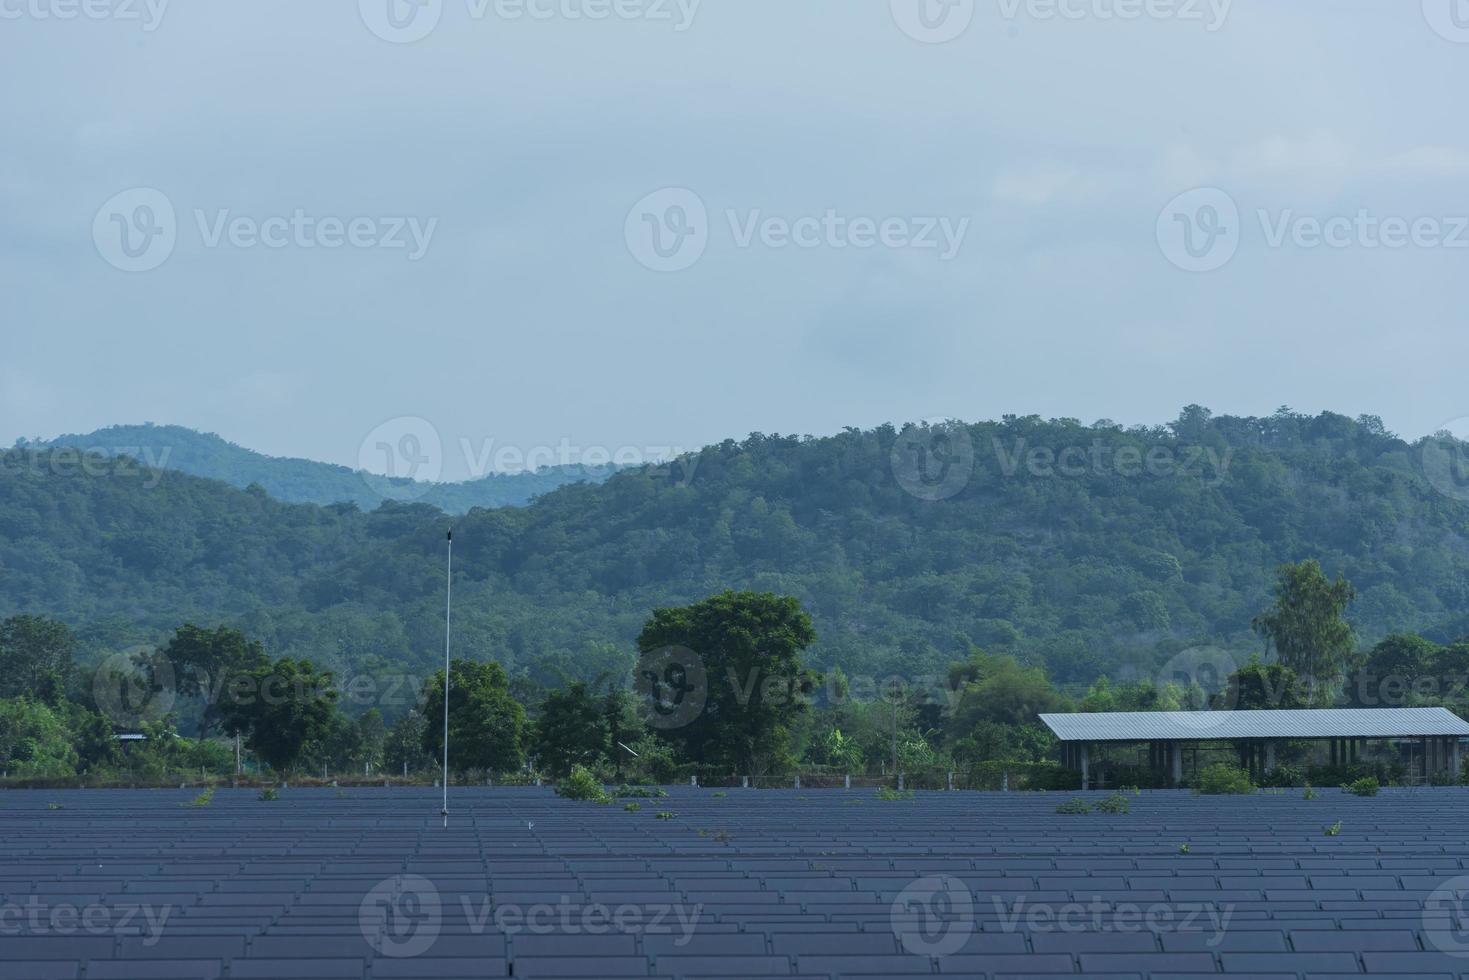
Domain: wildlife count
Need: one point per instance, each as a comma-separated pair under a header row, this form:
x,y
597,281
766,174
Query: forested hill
x,y
1080,547
305,481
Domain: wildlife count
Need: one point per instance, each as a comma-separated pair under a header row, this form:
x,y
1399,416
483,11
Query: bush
x,y
582,785
641,792
887,793
1366,786
1075,805
269,795
1283,776
1116,803
1223,779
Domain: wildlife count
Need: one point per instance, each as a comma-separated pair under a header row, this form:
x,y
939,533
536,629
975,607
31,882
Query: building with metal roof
x,y
1438,730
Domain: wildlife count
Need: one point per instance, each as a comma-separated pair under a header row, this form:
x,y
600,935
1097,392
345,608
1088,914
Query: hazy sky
x,y
853,223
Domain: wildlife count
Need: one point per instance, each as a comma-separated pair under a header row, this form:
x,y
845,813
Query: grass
x,y
642,792
720,795
1116,803
203,799
632,807
1309,793
1074,805
1333,830
884,793
1366,786
1182,848
269,795
665,815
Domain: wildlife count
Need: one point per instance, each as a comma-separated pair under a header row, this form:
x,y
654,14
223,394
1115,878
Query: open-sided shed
x,y
1167,733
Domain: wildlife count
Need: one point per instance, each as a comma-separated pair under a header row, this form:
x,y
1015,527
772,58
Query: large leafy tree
x,y
571,730
282,708
747,648
486,724
210,664
1305,625
35,658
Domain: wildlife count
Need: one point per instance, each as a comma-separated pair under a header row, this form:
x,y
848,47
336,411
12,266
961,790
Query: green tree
x,y
403,746
486,724
34,740
748,647
1305,625
624,726
1260,686
35,658
281,708
371,735
210,664
571,730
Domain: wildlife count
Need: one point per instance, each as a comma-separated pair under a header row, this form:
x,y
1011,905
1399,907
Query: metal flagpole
x,y
448,605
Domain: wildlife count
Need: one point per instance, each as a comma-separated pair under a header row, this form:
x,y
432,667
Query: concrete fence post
x,y
847,781
694,781
744,782
900,782
798,780
951,782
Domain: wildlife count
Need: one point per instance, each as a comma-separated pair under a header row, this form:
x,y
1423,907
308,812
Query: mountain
x,y
304,481
1087,549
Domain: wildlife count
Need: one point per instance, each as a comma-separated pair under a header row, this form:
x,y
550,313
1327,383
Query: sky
x,y
563,227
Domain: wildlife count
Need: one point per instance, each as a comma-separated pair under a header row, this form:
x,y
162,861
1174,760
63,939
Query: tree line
x,y
721,689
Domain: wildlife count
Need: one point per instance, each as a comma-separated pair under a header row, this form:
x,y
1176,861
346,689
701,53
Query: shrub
x,y
643,792
632,807
1222,779
1366,786
720,795
1075,805
1116,803
665,815
1333,830
269,795
1309,794
1283,776
204,798
582,785
885,793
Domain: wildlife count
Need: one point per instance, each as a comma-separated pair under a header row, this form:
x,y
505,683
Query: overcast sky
x,y
554,230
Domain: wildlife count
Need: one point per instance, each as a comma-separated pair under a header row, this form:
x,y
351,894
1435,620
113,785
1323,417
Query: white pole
x,y
448,604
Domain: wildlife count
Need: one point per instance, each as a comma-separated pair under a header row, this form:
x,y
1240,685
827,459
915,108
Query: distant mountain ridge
x,y
1086,549
307,481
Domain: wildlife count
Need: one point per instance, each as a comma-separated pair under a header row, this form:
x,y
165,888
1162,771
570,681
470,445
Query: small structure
x,y
1168,733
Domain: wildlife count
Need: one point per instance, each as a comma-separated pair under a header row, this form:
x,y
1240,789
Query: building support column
x,y
1085,767
1176,749
1454,760
1269,756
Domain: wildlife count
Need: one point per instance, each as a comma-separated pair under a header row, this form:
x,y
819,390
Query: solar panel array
x,y
366,883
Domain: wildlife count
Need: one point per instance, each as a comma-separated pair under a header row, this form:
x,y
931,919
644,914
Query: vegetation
x,y
486,723
1115,803
1107,571
1074,805
580,784
304,481
1223,779
1366,786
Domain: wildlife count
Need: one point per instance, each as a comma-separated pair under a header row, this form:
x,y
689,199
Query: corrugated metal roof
x,y
1141,726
